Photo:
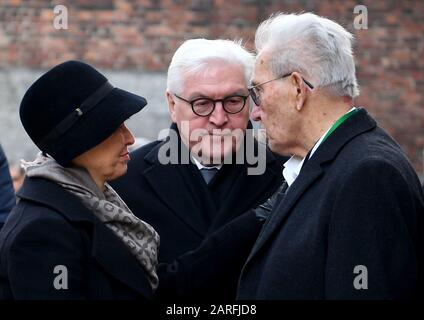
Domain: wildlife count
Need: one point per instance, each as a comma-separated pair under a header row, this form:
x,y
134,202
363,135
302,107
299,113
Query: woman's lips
x,y
125,156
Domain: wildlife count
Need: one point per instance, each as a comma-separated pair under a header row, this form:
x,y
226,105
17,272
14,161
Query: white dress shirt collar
x,y
294,164
201,166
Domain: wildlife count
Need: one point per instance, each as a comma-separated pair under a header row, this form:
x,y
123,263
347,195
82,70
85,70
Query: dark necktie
x,y
208,174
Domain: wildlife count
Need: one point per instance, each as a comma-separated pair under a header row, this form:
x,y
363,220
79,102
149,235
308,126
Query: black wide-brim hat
x,y
72,108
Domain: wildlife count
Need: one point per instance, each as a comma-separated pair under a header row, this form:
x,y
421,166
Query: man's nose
x,y
219,116
256,113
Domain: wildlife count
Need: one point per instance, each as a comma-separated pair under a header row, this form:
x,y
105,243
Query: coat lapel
x,y
107,249
121,264
314,169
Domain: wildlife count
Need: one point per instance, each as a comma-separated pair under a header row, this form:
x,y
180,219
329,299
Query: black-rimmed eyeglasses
x,y
254,93
203,107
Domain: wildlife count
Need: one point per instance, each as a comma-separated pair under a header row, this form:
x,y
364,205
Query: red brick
x,y
142,34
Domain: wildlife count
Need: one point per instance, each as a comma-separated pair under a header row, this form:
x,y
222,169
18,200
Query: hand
x,y
263,210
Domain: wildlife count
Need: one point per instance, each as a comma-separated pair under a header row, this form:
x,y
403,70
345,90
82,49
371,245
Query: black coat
x,y
50,227
7,194
176,201
356,202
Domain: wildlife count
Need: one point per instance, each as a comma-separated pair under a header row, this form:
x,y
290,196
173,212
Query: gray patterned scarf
x,y
141,238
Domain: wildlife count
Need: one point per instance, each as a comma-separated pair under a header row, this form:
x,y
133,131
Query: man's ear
x,y
171,106
300,90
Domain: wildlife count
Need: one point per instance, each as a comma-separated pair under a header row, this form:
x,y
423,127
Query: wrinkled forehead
x,y
215,79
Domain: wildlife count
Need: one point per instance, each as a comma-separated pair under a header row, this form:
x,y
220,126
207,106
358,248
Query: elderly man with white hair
x,y
350,220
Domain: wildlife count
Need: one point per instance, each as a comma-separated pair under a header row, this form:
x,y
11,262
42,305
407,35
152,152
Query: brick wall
x,y
142,35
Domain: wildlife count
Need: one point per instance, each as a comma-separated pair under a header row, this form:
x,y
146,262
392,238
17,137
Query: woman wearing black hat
x,y
53,246
70,235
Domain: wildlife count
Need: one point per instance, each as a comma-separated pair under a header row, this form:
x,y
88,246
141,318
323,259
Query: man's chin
x,y
271,144
215,156
212,158
277,148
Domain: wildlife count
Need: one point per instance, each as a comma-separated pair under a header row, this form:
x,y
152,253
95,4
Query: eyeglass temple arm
x,y
308,83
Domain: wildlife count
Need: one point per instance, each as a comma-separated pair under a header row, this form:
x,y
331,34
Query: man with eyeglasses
x,y
351,222
186,201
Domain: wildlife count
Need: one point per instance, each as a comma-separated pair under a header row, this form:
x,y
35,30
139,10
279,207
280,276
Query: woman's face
x,y
108,160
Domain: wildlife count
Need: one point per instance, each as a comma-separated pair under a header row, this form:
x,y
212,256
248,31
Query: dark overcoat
x,y
50,230
351,226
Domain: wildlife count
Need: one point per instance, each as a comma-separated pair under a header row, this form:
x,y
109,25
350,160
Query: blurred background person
x,y
7,196
17,173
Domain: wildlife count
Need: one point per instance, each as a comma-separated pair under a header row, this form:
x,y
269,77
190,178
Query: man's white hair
x,y
195,56
317,47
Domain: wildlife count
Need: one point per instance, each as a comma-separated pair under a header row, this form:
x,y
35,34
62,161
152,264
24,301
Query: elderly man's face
x,y
276,111
217,81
